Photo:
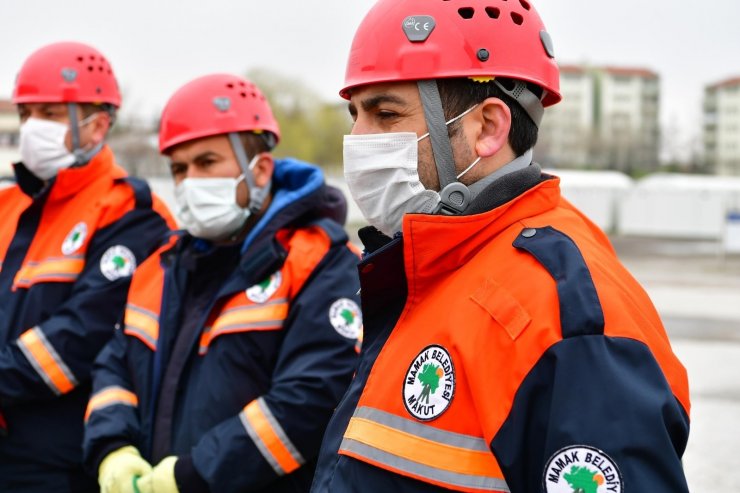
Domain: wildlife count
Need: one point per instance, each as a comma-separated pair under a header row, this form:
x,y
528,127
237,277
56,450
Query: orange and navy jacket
x,y
507,351
273,352
67,252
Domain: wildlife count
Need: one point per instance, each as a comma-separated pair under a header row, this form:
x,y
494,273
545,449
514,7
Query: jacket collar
x,y
435,244
68,181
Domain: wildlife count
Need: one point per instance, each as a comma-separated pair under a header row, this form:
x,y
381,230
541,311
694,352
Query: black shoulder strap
x,y
336,233
141,191
580,308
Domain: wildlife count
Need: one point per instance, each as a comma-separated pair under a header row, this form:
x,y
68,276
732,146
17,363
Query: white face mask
x,y
207,207
42,147
382,174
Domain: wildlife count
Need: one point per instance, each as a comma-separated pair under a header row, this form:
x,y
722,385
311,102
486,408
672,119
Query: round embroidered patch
x,y
581,469
117,262
259,293
429,385
75,238
346,318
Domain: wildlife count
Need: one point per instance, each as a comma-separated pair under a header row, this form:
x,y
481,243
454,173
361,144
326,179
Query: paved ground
x,y
697,292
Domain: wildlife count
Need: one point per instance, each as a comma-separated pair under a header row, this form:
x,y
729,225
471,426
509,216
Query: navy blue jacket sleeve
x,y
57,355
597,411
112,418
282,429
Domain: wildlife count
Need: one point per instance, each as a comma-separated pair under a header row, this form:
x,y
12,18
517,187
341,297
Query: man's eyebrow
x,y
205,155
375,101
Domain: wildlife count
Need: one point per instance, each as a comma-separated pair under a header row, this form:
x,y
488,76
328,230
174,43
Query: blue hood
x,y
292,181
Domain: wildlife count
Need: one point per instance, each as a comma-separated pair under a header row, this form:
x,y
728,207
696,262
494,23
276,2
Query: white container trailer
x,y
668,205
595,193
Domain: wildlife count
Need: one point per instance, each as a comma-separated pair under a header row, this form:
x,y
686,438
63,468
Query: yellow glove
x,y
161,479
119,469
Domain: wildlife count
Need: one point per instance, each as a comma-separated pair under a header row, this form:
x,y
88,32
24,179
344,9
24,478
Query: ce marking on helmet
x,y
412,23
418,27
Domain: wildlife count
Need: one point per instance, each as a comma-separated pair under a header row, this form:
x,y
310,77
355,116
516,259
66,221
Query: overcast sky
x,y
156,46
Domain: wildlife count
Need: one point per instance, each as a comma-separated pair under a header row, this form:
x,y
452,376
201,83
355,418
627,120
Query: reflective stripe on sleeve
x,y
142,324
451,460
109,396
46,361
269,437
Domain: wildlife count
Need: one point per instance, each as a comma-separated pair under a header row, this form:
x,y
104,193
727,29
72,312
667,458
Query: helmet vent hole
x,y
525,4
493,12
517,18
230,85
466,12
243,94
90,68
80,58
92,57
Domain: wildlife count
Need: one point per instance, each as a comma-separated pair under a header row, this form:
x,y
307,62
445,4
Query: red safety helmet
x,y
67,72
403,40
212,105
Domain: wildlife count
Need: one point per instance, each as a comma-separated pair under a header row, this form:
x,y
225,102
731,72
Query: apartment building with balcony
x,y
608,119
722,127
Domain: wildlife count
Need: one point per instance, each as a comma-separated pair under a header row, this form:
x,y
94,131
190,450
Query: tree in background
x,y
312,129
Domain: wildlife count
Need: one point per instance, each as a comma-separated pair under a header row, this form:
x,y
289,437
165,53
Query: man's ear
x,y
100,126
263,169
495,123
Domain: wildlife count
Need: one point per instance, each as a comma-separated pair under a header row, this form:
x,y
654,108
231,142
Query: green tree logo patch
x,y
117,262
429,385
582,469
263,291
346,318
74,239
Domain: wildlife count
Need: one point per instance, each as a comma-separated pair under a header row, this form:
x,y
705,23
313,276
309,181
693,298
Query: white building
x,y
567,128
628,123
608,119
8,137
722,127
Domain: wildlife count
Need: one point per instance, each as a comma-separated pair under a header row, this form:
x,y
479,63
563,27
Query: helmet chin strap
x,y
454,196
82,156
257,195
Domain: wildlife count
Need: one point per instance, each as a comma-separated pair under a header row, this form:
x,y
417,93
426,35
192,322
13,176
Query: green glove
x,y
119,468
161,479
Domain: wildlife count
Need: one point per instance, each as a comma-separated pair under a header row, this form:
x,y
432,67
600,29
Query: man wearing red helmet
x,y
239,336
505,347
74,228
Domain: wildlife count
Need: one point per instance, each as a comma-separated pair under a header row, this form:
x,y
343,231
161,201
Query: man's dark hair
x,y
255,143
88,109
460,94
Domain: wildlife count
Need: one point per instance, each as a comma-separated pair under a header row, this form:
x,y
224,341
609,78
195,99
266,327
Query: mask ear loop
x,y
257,194
82,157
